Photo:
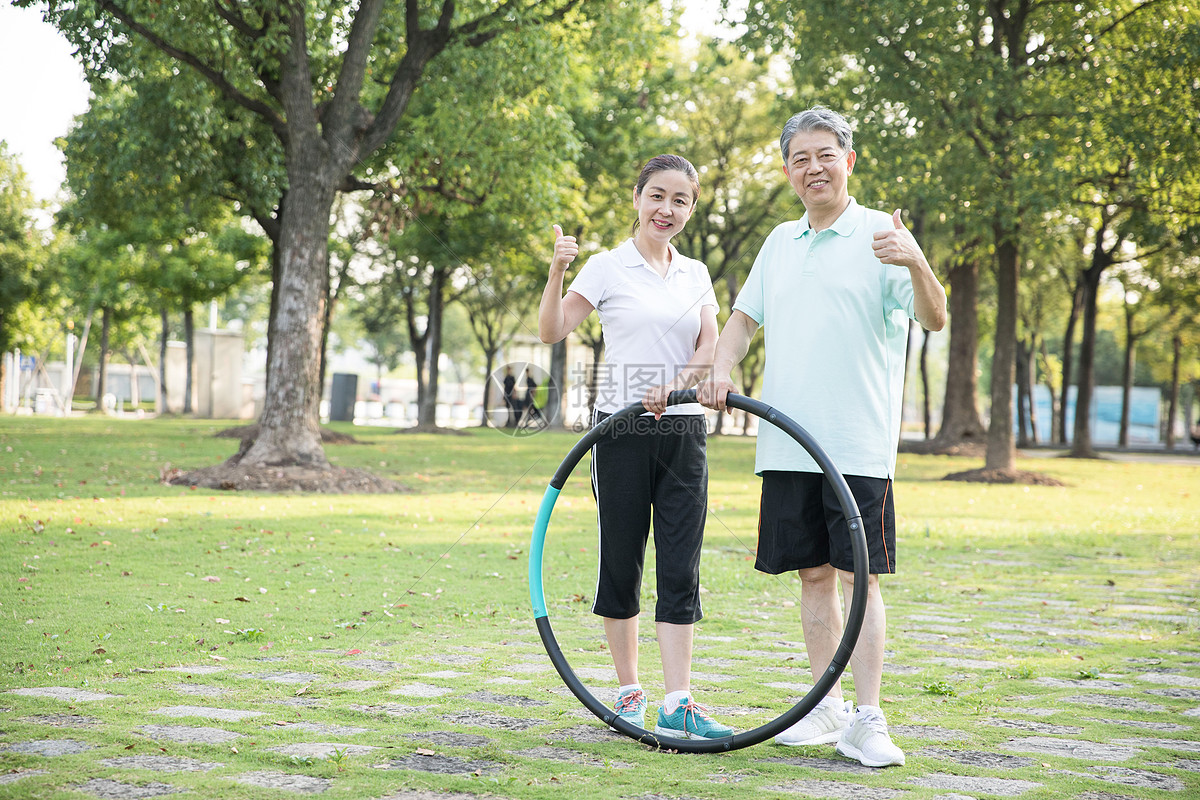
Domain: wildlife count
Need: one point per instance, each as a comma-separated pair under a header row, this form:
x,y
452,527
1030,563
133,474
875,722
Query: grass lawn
x,y
1011,604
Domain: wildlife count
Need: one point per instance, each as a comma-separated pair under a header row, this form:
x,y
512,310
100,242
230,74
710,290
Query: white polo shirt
x,y
650,323
836,322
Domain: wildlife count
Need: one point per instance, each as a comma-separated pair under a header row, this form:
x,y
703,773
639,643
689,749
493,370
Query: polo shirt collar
x,y
844,225
629,256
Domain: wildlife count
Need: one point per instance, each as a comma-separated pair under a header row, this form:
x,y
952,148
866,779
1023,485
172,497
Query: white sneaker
x,y
823,725
867,740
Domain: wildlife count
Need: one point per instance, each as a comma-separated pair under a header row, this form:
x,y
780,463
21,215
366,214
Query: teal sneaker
x,y
690,721
631,707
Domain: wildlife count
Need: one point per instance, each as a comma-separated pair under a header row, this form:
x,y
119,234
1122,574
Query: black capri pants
x,y
651,470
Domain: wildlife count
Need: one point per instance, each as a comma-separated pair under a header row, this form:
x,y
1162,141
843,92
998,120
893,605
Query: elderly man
x,y
834,291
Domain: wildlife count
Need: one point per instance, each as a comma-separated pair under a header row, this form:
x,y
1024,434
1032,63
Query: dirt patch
x,y
1020,476
236,477
436,429
250,432
932,447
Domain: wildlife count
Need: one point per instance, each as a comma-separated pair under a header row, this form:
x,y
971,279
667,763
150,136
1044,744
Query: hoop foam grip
x,y
853,618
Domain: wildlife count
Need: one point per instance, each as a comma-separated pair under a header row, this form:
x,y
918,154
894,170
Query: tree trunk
x,y
1069,356
1081,440
326,318
102,377
273,313
1173,405
960,409
556,416
135,393
597,350
1023,403
162,361
189,339
1055,432
1001,455
926,413
1127,380
489,361
289,428
427,400
751,368
1031,385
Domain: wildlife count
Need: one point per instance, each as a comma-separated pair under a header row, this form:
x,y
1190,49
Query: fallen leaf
x,y
242,599
353,652
421,751
211,579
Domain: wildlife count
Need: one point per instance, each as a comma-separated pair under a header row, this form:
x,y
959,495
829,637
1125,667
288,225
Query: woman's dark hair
x,y
666,163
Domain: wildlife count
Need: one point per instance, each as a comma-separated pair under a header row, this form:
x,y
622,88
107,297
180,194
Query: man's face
x,y
818,168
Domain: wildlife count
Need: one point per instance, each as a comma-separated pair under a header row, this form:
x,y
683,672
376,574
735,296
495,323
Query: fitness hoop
x,y
854,616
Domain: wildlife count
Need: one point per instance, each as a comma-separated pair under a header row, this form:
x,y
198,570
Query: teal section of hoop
x,y
536,594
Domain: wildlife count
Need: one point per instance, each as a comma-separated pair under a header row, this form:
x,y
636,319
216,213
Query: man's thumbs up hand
x,y
897,245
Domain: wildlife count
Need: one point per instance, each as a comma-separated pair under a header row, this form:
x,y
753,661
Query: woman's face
x,y
664,205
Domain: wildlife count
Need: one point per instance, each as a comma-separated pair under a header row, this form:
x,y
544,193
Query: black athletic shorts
x,y
801,524
651,470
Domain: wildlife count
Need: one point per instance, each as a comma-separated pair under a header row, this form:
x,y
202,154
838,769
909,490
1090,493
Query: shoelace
x,y
631,701
696,710
873,720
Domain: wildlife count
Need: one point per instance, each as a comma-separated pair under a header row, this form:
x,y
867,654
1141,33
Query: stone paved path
x,y
476,710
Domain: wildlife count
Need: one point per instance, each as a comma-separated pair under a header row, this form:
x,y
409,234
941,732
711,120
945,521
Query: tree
x,y
1134,185
481,167
730,111
18,249
904,162
1045,299
497,300
134,174
331,87
1171,285
986,80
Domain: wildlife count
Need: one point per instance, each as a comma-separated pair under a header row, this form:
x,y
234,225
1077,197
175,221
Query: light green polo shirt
x,y
836,321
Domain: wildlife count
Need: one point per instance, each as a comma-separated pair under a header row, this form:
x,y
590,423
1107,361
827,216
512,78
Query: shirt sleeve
x,y
898,290
709,298
590,283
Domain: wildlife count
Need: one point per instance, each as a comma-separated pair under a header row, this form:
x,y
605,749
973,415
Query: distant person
x,y
531,408
510,386
658,313
1195,435
834,291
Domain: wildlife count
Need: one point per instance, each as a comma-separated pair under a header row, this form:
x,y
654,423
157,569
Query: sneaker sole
x,y
825,738
661,731
850,751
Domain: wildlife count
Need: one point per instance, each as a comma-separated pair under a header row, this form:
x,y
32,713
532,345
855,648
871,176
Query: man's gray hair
x,y
817,118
